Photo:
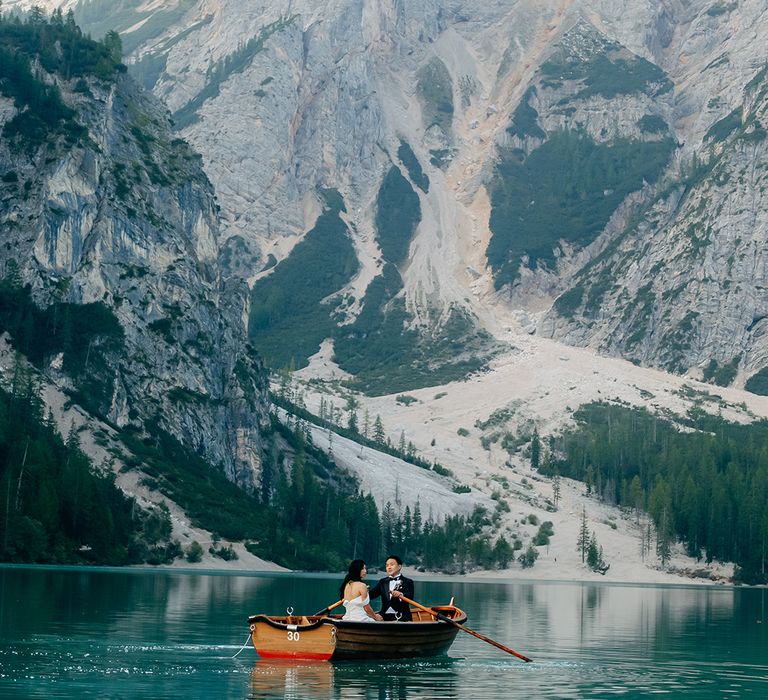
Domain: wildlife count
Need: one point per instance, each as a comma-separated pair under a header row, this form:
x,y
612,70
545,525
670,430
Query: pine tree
x,y
407,529
582,544
648,538
529,557
592,552
378,431
416,526
589,479
114,44
71,23
285,381
352,406
636,496
664,539
556,489
535,450
503,552
366,424
387,526
36,15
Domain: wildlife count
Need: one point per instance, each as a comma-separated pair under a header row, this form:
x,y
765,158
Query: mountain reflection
x,y
174,635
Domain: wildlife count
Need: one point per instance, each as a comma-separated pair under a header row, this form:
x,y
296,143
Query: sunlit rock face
x,y
564,171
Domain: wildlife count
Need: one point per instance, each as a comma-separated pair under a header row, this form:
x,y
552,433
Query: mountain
x,y
110,225
439,125
413,193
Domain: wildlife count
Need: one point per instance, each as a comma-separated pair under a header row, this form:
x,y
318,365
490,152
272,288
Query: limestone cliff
x,y
532,151
104,205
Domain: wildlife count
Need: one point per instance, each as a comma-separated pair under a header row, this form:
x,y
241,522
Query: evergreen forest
x,y
703,480
58,46
307,515
55,507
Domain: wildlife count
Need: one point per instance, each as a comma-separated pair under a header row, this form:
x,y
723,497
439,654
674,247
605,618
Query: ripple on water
x,y
160,635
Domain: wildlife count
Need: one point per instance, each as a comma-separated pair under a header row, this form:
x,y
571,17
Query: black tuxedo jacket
x,y
381,589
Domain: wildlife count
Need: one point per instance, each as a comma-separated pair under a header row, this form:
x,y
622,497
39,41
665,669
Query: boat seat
x,y
304,620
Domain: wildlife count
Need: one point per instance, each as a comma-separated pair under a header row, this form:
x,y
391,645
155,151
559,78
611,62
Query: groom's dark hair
x,y
396,558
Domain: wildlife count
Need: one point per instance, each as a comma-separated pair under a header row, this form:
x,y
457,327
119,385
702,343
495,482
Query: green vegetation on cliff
x,y
524,120
607,74
84,335
387,355
758,382
411,162
398,213
295,307
219,72
566,189
289,315
435,89
382,348
59,48
723,128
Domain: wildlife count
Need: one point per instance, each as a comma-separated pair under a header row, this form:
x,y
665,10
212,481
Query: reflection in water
x,y
385,680
172,635
292,680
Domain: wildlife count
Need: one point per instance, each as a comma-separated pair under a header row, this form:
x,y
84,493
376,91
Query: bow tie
x,y
394,578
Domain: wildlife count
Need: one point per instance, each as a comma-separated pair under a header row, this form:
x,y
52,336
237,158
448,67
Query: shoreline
x,y
484,576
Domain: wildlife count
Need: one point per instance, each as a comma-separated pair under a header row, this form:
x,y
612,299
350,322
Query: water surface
x,y
95,633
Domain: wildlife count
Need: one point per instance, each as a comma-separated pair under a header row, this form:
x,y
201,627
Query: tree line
x,y
55,507
365,431
56,45
705,484
319,504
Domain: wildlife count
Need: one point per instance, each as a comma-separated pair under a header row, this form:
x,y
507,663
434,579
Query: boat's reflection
x,y
379,680
292,679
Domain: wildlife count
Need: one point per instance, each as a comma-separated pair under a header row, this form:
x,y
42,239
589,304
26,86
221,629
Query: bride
x,y
355,594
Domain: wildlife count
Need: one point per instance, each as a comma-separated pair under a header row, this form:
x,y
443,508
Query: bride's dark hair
x,y
353,574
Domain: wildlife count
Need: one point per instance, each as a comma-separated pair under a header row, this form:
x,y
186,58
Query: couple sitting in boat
x,y
391,589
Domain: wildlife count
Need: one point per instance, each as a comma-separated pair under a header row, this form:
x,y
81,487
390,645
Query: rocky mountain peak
x,y
547,133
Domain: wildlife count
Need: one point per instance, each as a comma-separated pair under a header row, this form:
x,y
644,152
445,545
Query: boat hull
x,y
292,638
392,640
336,639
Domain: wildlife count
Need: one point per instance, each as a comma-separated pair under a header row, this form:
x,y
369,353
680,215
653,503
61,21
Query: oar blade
x,y
464,628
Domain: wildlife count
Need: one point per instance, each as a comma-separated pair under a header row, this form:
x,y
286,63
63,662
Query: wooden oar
x,y
443,618
325,611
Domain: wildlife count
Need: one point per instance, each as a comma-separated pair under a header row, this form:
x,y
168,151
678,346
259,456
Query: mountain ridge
x,y
412,131
314,101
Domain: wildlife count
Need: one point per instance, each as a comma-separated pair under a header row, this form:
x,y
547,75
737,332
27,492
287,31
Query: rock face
x,y
121,214
645,241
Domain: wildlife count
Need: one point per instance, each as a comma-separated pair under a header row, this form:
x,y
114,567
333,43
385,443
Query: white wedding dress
x,y
355,611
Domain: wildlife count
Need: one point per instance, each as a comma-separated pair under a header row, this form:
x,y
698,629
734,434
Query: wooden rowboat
x,y
330,637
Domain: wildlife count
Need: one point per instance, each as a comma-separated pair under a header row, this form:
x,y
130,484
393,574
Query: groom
x,y
391,589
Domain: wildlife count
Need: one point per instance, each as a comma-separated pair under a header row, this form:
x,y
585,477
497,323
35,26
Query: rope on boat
x,y
247,639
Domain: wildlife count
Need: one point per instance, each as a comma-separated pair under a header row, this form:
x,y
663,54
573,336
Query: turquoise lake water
x,y
94,633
